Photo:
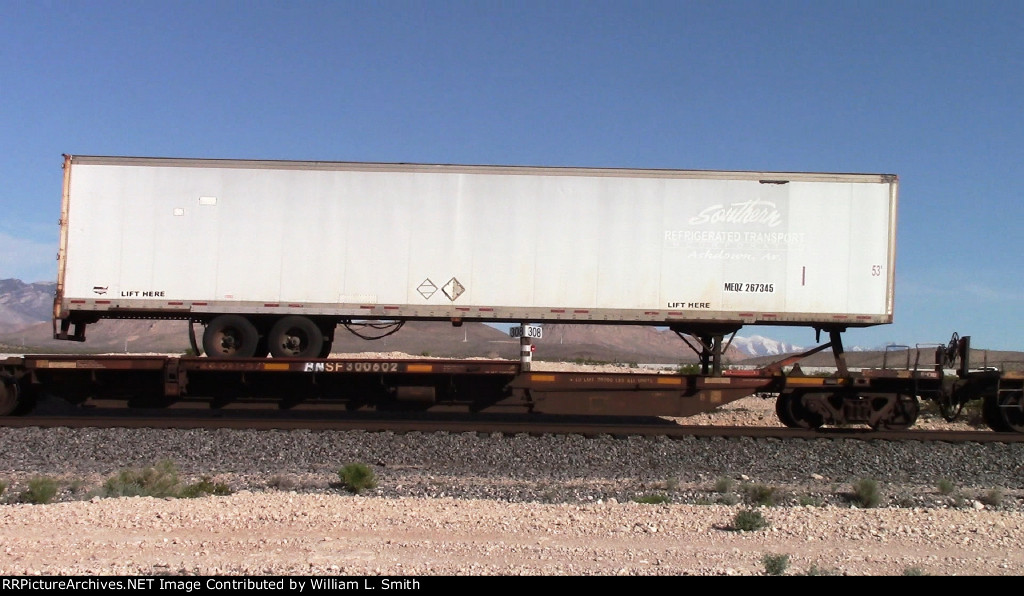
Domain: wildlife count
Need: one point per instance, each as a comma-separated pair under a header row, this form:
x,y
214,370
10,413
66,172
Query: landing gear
x,y
709,343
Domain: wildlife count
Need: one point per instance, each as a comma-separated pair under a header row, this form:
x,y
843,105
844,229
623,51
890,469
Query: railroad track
x,y
256,419
879,398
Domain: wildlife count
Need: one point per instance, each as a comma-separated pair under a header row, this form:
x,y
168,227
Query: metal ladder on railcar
x,y
924,389
1010,390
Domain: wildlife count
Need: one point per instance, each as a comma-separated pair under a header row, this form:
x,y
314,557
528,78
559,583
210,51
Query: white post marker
x,y
525,333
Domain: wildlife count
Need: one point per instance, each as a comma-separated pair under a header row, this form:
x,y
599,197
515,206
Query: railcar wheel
x,y
903,415
295,337
326,350
993,418
230,336
1006,415
796,412
1013,413
782,410
948,407
8,396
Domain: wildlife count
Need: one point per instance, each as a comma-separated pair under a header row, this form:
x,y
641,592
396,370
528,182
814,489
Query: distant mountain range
x,y
26,311
759,345
23,304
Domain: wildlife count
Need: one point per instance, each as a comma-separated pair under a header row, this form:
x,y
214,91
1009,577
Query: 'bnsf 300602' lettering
x,y
350,367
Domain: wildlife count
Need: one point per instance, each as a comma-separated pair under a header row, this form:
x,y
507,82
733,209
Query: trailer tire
x,y
230,336
295,337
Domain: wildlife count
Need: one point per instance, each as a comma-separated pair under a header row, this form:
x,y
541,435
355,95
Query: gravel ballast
x,y
492,504
520,467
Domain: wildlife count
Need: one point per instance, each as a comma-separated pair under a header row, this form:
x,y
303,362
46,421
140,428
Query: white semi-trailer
x,y
270,256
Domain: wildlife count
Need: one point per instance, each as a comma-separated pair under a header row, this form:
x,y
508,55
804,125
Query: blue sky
x,y
930,90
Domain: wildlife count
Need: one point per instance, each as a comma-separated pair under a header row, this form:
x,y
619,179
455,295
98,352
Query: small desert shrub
x,y
77,485
723,485
816,571
3,487
203,488
759,494
41,490
671,484
652,499
548,493
913,571
749,520
356,478
728,499
809,501
775,564
866,493
993,498
906,501
945,486
281,482
159,481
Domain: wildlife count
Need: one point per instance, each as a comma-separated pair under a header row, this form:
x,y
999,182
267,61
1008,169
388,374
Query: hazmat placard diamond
x,y
453,289
426,288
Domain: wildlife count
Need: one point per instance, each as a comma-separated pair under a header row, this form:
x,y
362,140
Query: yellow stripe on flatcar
x,y
805,381
669,381
275,366
420,368
56,364
543,378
